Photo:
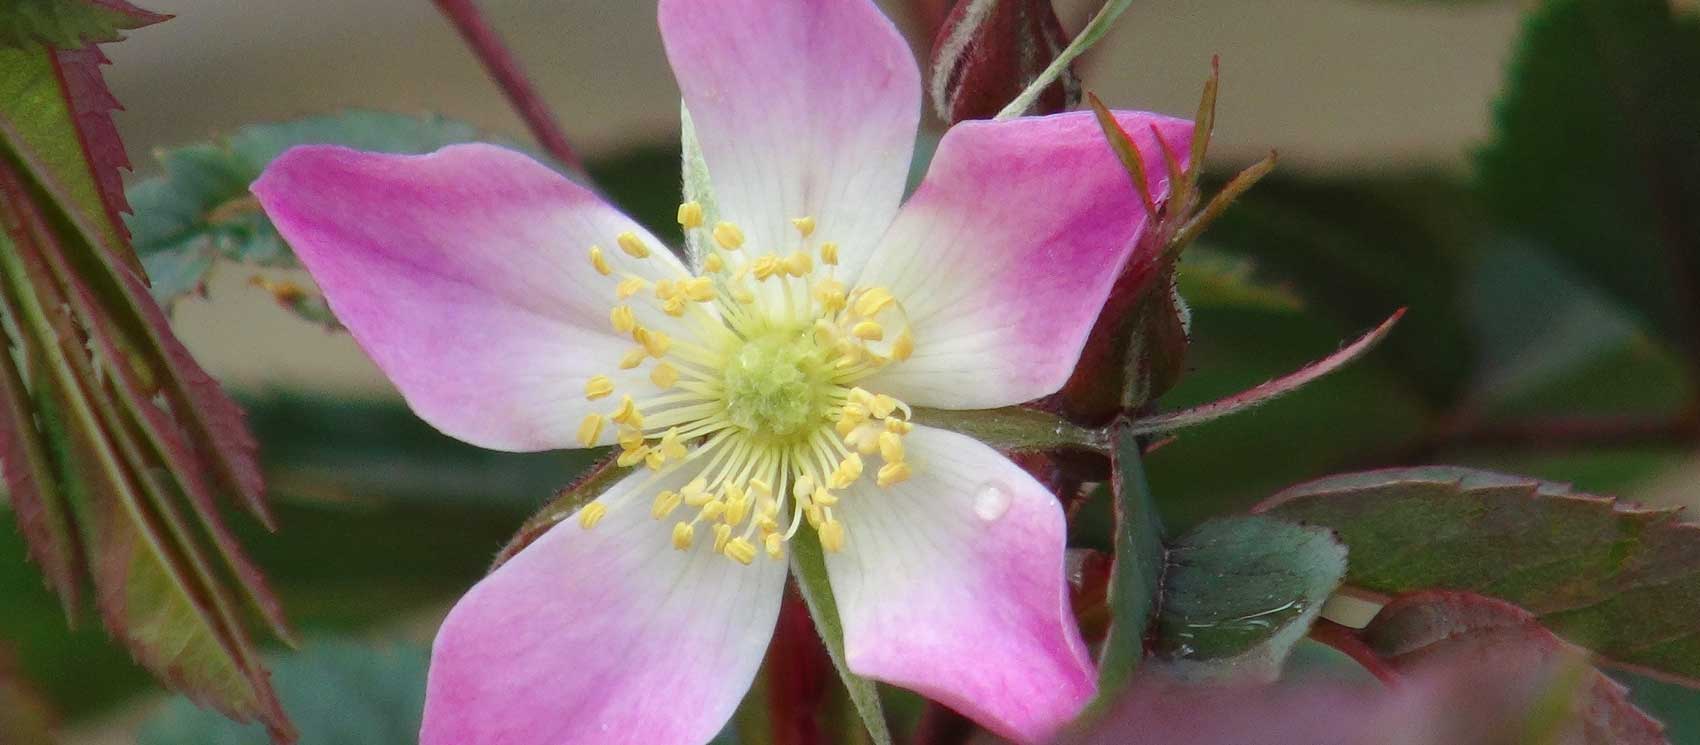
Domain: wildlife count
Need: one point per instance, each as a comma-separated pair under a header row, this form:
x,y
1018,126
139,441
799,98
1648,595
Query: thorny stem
x,y
500,63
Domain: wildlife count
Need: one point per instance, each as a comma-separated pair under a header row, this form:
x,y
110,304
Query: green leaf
x,y
1618,579
1595,154
808,565
1240,592
1136,577
69,24
341,692
199,210
1095,29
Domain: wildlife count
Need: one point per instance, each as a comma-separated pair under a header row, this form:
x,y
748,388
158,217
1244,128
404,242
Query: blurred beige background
x,y
1332,84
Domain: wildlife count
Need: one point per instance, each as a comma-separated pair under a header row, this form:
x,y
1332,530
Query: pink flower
x,y
764,391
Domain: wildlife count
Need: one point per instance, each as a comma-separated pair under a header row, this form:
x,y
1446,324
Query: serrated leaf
x,y
808,566
1621,580
200,210
1136,576
1239,592
69,24
1413,631
135,438
1595,153
341,692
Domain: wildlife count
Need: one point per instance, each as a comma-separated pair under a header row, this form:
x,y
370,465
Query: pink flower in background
x,y
763,391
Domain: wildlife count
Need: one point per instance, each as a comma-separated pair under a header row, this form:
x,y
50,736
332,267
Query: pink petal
x,y
606,637
803,108
464,274
952,584
1006,253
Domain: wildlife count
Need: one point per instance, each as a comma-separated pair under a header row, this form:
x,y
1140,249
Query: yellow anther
x,y
830,294
628,413
736,511
859,395
761,489
713,263
655,343
831,535
802,488
740,551
867,331
674,306
671,448
597,387
903,347
815,515
829,253
590,430
623,318
743,296
665,503
696,493
654,460
629,287
599,261
633,358
630,439
893,473
823,497
664,375
891,447
690,215
849,418
631,458
799,264
683,535
899,426
847,472
713,510
873,301
804,225
700,289
591,515
665,289
766,267
882,406
769,509
722,535
864,438
633,245
775,546
729,236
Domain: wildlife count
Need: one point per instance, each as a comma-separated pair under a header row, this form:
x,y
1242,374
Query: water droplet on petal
x,y
991,500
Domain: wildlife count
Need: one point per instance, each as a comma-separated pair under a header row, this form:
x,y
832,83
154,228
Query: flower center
x,y
777,386
755,409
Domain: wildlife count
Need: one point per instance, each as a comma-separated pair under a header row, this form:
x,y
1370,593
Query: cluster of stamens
x,y
762,398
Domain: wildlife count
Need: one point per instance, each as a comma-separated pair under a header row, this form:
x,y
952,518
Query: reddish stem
x,y
1351,644
500,63
799,676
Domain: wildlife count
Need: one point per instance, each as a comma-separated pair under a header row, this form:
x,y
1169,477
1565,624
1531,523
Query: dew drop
x,y
991,500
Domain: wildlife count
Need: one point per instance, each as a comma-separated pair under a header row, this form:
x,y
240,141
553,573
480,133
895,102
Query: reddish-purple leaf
x,y
986,53
91,105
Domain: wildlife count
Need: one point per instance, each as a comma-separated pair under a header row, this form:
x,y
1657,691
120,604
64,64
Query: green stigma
x,y
775,384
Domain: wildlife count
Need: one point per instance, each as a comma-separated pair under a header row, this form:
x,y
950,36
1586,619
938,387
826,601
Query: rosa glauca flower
x,y
763,390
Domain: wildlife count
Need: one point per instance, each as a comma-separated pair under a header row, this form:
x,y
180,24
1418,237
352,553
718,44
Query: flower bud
x,y
988,51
